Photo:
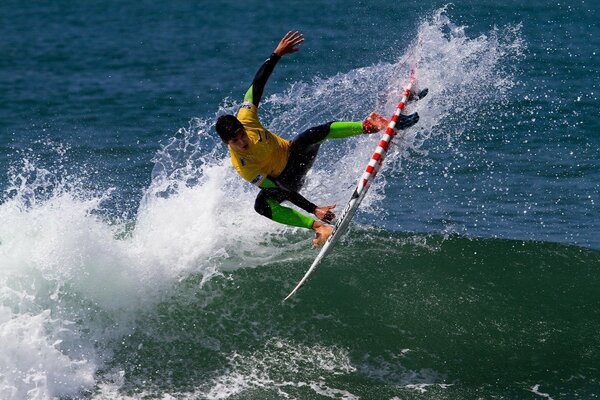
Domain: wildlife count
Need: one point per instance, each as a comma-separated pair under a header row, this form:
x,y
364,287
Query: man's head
x,y
227,127
232,132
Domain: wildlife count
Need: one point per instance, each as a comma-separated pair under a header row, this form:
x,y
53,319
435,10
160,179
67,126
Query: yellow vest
x,y
267,153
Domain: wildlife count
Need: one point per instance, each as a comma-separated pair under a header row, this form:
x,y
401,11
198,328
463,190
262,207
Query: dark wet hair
x,y
227,126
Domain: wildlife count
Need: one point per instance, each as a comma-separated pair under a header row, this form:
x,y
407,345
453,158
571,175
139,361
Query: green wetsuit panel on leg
x,y
289,216
341,130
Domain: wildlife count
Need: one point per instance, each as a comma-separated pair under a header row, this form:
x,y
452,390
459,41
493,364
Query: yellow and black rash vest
x,y
266,157
267,153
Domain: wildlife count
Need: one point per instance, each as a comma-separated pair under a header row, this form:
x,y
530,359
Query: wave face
x,y
134,268
387,315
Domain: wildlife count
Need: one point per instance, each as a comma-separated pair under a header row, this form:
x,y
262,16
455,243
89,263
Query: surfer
x,y
278,166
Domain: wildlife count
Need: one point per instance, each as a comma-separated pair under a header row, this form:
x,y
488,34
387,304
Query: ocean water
x,y
132,263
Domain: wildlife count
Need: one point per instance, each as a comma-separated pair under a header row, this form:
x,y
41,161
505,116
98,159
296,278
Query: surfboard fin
x,y
406,121
418,96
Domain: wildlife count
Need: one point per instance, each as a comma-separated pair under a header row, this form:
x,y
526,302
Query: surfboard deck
x,y
362,187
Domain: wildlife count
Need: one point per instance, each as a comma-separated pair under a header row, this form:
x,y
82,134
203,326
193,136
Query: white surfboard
x,y
359,193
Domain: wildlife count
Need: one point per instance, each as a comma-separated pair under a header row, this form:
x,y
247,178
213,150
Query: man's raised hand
x,y
289,43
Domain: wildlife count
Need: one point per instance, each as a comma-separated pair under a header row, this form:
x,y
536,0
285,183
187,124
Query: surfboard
x,y
362,187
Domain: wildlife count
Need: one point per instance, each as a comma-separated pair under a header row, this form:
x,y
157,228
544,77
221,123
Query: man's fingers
x,y
293,34
329,216
293,38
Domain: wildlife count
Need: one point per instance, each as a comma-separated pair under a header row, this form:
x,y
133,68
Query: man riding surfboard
x,y
278,166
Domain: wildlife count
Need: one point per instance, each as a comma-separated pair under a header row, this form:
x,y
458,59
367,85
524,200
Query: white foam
x,y
322,389
60,262
32,363
536,390
303,365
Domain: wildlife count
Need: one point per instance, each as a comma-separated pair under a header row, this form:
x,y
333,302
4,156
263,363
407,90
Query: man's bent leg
x,y
270,208
303,151
268,204
330,130
305,146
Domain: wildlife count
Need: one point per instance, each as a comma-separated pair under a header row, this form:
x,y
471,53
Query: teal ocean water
x,y
132,263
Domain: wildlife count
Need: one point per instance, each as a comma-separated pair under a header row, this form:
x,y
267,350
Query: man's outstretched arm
x,y
268,204
287,45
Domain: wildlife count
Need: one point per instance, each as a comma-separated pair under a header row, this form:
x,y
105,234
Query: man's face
x,y
240,141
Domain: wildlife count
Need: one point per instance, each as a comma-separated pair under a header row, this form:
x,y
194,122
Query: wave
x,y
83,292
387,315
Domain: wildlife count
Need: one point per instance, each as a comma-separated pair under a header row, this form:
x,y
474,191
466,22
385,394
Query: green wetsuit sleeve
x,y
341,130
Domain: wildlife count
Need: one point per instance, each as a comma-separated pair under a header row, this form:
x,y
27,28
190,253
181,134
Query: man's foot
x,y
322,233
406,121
374,123
418,96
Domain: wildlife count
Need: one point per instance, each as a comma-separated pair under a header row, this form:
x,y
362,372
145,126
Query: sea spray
x,y
74,281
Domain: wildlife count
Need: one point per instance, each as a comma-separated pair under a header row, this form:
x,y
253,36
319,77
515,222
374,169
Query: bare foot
x,y
376,122
322,233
